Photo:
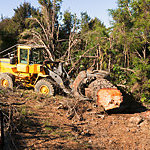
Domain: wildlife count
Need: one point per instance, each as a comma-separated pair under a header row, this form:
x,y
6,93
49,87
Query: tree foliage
x,y
131,43
8,33
10,28
124,48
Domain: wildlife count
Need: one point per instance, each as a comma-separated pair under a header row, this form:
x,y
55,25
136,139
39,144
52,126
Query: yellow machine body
x,y
22,69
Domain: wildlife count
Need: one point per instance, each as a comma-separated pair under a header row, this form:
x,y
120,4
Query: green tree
x,y
141,28
10,28
21,13
8,34
85,19
68,34
95,34
130,48
122,25
67,22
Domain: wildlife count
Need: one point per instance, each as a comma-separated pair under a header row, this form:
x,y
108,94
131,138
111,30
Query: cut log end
x,y
109,98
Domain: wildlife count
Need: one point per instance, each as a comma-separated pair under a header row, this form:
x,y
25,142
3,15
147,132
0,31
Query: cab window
x,y
36,56
23,56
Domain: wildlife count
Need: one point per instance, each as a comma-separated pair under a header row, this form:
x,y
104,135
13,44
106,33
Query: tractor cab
x,y
30,59
31,55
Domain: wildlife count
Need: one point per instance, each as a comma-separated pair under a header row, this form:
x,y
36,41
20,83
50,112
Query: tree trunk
x,y
53,25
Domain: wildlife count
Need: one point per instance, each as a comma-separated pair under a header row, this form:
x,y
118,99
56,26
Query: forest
x,y
81,42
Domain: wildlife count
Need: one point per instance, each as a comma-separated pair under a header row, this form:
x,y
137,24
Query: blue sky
x,y
95,8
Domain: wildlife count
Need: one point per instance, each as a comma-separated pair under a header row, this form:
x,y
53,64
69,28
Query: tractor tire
x,y
99,84
12,76
6,81
44,86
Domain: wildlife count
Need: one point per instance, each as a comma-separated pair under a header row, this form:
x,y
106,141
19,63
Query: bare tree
x,y
45,32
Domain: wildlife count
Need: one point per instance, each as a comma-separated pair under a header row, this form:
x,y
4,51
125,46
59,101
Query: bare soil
x,y
46,123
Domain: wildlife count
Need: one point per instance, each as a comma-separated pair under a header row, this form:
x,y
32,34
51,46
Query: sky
x,y
94,8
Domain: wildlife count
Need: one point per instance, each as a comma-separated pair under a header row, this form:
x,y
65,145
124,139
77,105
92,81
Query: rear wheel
x,y
6,81
44,86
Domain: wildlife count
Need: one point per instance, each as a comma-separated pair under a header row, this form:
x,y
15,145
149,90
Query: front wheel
x,y
44,86
6,81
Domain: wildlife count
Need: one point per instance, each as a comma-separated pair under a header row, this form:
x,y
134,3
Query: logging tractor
x,y
30,66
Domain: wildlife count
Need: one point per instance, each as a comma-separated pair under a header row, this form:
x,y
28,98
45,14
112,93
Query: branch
x,y
41,27
46,16
138,53
80,59
58,32
129,10
37,35
127,69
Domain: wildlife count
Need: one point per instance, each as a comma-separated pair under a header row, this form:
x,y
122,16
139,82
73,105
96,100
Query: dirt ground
x,y
47,123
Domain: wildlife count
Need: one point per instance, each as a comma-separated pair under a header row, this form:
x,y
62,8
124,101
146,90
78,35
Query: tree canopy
x,y
123,49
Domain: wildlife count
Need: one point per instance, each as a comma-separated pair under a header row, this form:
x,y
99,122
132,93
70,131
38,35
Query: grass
x,y
55,131
48,129
23,110
62,134
3,92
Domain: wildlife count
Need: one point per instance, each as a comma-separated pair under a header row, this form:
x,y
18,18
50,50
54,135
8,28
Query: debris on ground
x,y
42,122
